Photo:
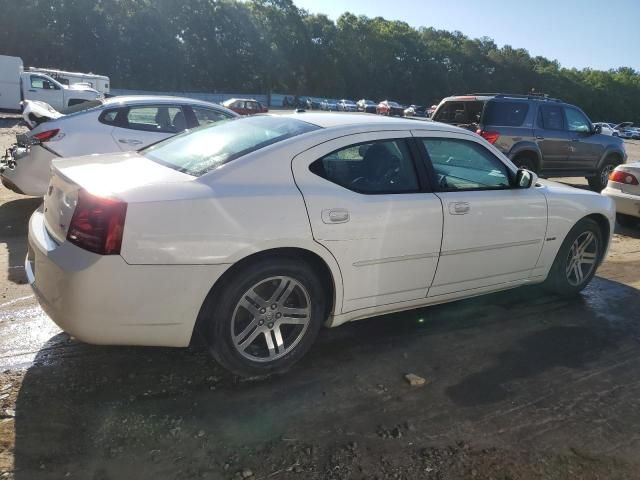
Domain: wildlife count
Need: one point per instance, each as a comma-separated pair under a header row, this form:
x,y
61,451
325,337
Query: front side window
x,y
199,151
161,119
551,118
576,121
42,83
465,165
207,116
370,168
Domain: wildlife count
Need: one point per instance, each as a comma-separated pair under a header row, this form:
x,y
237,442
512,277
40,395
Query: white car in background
x,y
260,230
624,188
118,124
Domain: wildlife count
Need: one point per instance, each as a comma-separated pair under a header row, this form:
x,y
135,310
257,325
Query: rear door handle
x,y
459,208
538,137
335,215
31,90
130,141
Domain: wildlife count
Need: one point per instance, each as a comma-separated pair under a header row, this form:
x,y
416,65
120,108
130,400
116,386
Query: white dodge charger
x,y
257,231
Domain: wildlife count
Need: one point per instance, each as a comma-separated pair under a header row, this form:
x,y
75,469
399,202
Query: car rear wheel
x,y
627,221
598,182
577,260
524,161
266,317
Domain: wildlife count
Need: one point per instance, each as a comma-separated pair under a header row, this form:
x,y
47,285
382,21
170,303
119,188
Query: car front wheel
x,y
577,260
266,317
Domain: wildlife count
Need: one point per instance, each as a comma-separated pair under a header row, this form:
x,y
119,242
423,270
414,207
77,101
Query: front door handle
x,y
335,215
32,90
130,141
459,208
538,137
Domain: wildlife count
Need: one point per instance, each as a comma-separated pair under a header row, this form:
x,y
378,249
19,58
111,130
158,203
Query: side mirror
x,y
597,129
525,178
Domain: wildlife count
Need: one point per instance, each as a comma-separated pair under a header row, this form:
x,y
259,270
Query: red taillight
x,y
621,176
491,137
97,224
46,136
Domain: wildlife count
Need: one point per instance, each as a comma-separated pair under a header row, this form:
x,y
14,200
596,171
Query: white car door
x,y
43,89
143,125
369,207
493,232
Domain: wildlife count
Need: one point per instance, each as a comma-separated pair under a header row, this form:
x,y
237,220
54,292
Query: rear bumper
x,y
103,300
625,203
26,170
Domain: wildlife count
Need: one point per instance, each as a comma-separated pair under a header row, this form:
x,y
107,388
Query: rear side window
x,y
460,112
199,151
109,117
207,116
551,117
370,168
505,114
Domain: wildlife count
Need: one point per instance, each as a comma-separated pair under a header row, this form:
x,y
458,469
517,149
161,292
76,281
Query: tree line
x,y
263,46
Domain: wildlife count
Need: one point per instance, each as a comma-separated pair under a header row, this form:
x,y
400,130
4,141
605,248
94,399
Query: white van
x,y
17,85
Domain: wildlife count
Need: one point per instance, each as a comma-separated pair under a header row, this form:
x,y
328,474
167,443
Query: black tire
x,y
525,161
627,221
598,182
217,319
558,280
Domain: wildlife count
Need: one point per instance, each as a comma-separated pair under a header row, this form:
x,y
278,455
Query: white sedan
x,y
118,124
624,188
257,231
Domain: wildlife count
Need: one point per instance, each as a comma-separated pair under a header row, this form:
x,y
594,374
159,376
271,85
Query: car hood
x,y
36,112
556,187
81,87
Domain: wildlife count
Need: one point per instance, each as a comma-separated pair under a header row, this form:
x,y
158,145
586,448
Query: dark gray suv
x,y
542,134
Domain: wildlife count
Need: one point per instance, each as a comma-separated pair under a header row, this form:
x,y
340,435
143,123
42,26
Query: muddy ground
x,y
520,385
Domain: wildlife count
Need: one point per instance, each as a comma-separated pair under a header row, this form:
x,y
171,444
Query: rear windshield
x,y
505,114
460,112
199,151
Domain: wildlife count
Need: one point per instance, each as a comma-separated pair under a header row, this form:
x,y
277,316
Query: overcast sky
x,y
587,33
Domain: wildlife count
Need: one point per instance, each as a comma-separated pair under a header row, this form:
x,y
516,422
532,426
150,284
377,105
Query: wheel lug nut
x,y
274,306
278,315
270,325
261,322
263,310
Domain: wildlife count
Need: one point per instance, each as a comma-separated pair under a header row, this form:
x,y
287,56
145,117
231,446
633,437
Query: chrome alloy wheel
x,y
270,319
582,258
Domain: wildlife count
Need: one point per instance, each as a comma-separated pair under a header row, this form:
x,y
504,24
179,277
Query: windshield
x,y
199,151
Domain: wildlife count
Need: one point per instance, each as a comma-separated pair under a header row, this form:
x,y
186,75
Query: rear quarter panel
x,y
567,206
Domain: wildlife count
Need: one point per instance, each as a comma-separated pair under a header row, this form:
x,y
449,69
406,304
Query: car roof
x,y
151,99
240,100
330,120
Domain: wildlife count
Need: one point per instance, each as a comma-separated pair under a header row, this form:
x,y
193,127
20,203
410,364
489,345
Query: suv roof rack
x,y
529,96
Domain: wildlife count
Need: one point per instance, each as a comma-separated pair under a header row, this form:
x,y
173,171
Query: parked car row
x,y
257,231
183,216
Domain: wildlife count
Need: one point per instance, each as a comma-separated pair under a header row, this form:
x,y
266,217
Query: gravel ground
x,y
519,385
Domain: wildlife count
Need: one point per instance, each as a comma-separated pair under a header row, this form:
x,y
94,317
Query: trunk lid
x,y
109,175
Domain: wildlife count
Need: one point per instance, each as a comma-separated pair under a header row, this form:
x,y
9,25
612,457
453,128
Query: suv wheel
x,y
525,161
577,260
598,182
266,317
